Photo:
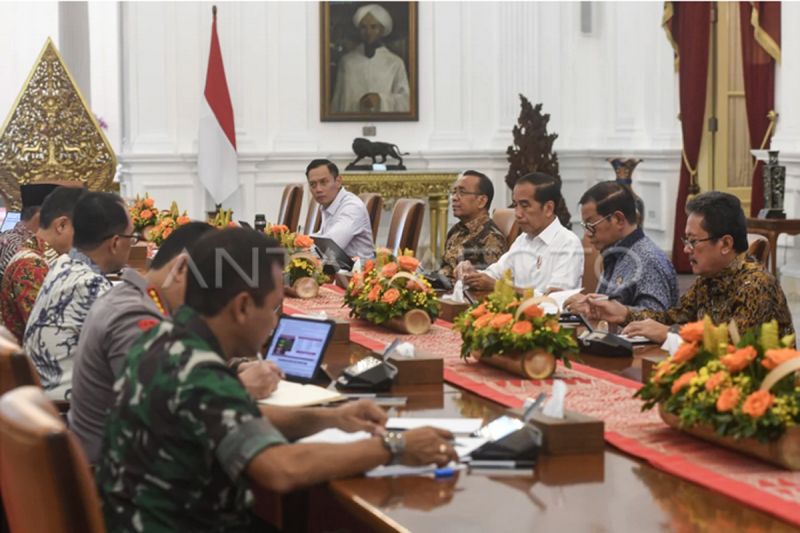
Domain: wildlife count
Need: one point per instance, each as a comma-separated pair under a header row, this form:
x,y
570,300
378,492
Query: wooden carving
x,y
51,135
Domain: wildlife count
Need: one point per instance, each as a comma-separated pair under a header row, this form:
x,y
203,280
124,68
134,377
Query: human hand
x,y
577,304
478,281
260,378
428,445
370,102
362,415
610,310
655,331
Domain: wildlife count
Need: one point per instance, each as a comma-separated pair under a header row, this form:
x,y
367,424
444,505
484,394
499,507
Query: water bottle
x,y
260,223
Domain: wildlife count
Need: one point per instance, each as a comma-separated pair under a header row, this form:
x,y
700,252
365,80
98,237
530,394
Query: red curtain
x,y
689,26
761,40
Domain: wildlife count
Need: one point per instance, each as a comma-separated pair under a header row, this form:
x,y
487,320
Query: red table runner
x,y
601,395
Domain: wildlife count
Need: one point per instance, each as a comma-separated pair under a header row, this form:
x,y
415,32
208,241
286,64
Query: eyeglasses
x,y
591,227
691,243
458,193
134,237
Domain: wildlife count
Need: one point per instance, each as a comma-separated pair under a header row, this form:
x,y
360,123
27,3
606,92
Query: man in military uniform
x,y
475,238
184,439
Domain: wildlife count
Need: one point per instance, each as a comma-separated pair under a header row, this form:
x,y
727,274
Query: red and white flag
x,y
216,149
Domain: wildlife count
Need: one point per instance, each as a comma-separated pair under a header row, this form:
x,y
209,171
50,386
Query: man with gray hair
x,y
370,78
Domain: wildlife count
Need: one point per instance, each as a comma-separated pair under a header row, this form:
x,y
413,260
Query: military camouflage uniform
x,y
180,435
478,241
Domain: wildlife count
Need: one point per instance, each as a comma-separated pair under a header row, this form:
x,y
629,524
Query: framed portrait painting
x,y
369,61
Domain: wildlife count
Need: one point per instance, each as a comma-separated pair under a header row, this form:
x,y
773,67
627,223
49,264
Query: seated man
x,y
344,216
119,317
475,238
184,441
546,256
101,243
636,272
32,196
730,285
27,269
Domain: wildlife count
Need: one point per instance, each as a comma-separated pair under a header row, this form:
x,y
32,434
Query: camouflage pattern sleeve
x,y
219,412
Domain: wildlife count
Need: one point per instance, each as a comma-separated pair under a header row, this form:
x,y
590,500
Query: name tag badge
x,y
620,281
538,262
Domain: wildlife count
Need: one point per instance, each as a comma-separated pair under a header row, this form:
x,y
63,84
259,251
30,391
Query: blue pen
x,y
447,471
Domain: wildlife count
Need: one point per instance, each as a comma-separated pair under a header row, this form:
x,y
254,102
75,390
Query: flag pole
x,y
214,12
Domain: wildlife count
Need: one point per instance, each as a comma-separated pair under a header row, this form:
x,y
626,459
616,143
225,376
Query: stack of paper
x,y
290,394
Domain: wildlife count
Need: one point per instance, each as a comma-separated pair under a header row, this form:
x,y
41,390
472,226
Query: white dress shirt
x,y
347,223
552,259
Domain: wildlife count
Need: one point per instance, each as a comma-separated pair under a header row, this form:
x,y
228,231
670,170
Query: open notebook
x,y
290,394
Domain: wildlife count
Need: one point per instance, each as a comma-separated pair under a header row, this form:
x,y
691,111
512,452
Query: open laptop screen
x,y
298,345
10,221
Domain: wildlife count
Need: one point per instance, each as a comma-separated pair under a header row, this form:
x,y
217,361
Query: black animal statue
x,y
364,148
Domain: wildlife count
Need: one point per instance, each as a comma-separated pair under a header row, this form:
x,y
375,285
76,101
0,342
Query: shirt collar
x,y
730,270
634,237
549,233
77,255
191,320
331,209
476,223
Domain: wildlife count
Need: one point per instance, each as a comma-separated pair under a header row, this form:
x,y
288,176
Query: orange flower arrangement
x,y
775,357
302,263
143,213
685,352
740,359
390,296
692,332
728,400
716,380
165,224
682,381
757,403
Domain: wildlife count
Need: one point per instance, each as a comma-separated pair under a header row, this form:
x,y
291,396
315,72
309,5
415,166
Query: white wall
x,y
611,92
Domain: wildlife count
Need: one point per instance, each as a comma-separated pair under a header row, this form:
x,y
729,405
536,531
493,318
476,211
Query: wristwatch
x,y
395,442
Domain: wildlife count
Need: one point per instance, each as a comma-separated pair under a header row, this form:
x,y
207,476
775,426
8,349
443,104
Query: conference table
x,y
608,491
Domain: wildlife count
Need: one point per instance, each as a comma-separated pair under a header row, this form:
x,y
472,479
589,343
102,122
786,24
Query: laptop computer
x,y
297,347
10,221
329,251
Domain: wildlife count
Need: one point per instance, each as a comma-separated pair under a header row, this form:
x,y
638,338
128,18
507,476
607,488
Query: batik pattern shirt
x,y
68,292
10,243
637,273
180,435
23,278
478,241
744,291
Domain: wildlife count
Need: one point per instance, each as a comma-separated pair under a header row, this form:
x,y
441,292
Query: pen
x,y
448,471
506,465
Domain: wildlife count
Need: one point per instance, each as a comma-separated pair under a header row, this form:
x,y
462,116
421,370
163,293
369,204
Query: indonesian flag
x,y
216,150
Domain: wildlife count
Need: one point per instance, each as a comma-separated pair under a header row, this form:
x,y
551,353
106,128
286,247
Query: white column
x,y
73,43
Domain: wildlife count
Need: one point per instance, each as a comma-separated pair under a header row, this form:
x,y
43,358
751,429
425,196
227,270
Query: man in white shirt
x,y
344,216
546,256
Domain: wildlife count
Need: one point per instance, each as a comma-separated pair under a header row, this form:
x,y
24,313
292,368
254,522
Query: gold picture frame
x,y
348,50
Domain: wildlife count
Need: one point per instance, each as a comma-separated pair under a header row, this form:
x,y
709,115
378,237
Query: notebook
x,y
289,394
297,347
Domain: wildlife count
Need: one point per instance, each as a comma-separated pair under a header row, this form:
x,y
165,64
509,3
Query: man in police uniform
x,y
184,440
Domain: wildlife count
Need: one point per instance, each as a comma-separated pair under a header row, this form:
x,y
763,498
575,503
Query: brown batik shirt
x,y
744,291
478,241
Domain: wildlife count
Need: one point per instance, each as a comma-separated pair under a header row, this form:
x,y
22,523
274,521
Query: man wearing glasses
x,y
636,272
475,238
103,236
730,285
27,269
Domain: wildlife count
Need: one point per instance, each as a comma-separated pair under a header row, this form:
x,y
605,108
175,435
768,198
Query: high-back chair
x,y
291,202
374,203
406,225
46,480
16,368
504,219
313,217
758,248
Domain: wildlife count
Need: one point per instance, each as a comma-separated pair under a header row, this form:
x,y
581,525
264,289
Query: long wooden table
x,y
607,491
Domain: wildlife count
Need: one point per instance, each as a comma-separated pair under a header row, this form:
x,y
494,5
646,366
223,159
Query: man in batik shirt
x,y
184,440
32,196
730,286
29,266
475,238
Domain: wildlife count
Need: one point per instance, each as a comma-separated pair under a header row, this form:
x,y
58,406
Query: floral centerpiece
x,y
389,291
143,213
166,223
512,331
739,391
303,269
222,219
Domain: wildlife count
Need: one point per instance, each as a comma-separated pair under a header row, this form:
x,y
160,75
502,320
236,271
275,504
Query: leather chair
x,y
46,480
313,217
374,203
406,225
291,202
758,248
16,368
504,219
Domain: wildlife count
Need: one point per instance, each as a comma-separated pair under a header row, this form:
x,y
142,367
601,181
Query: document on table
x,y
289,394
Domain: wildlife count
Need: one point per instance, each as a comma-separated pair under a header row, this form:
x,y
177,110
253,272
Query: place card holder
x,y
575,433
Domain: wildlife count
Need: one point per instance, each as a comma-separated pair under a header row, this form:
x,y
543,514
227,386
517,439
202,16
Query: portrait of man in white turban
x,y
370,78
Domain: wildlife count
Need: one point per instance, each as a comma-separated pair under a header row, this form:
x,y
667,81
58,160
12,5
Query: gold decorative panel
x,y
51,135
